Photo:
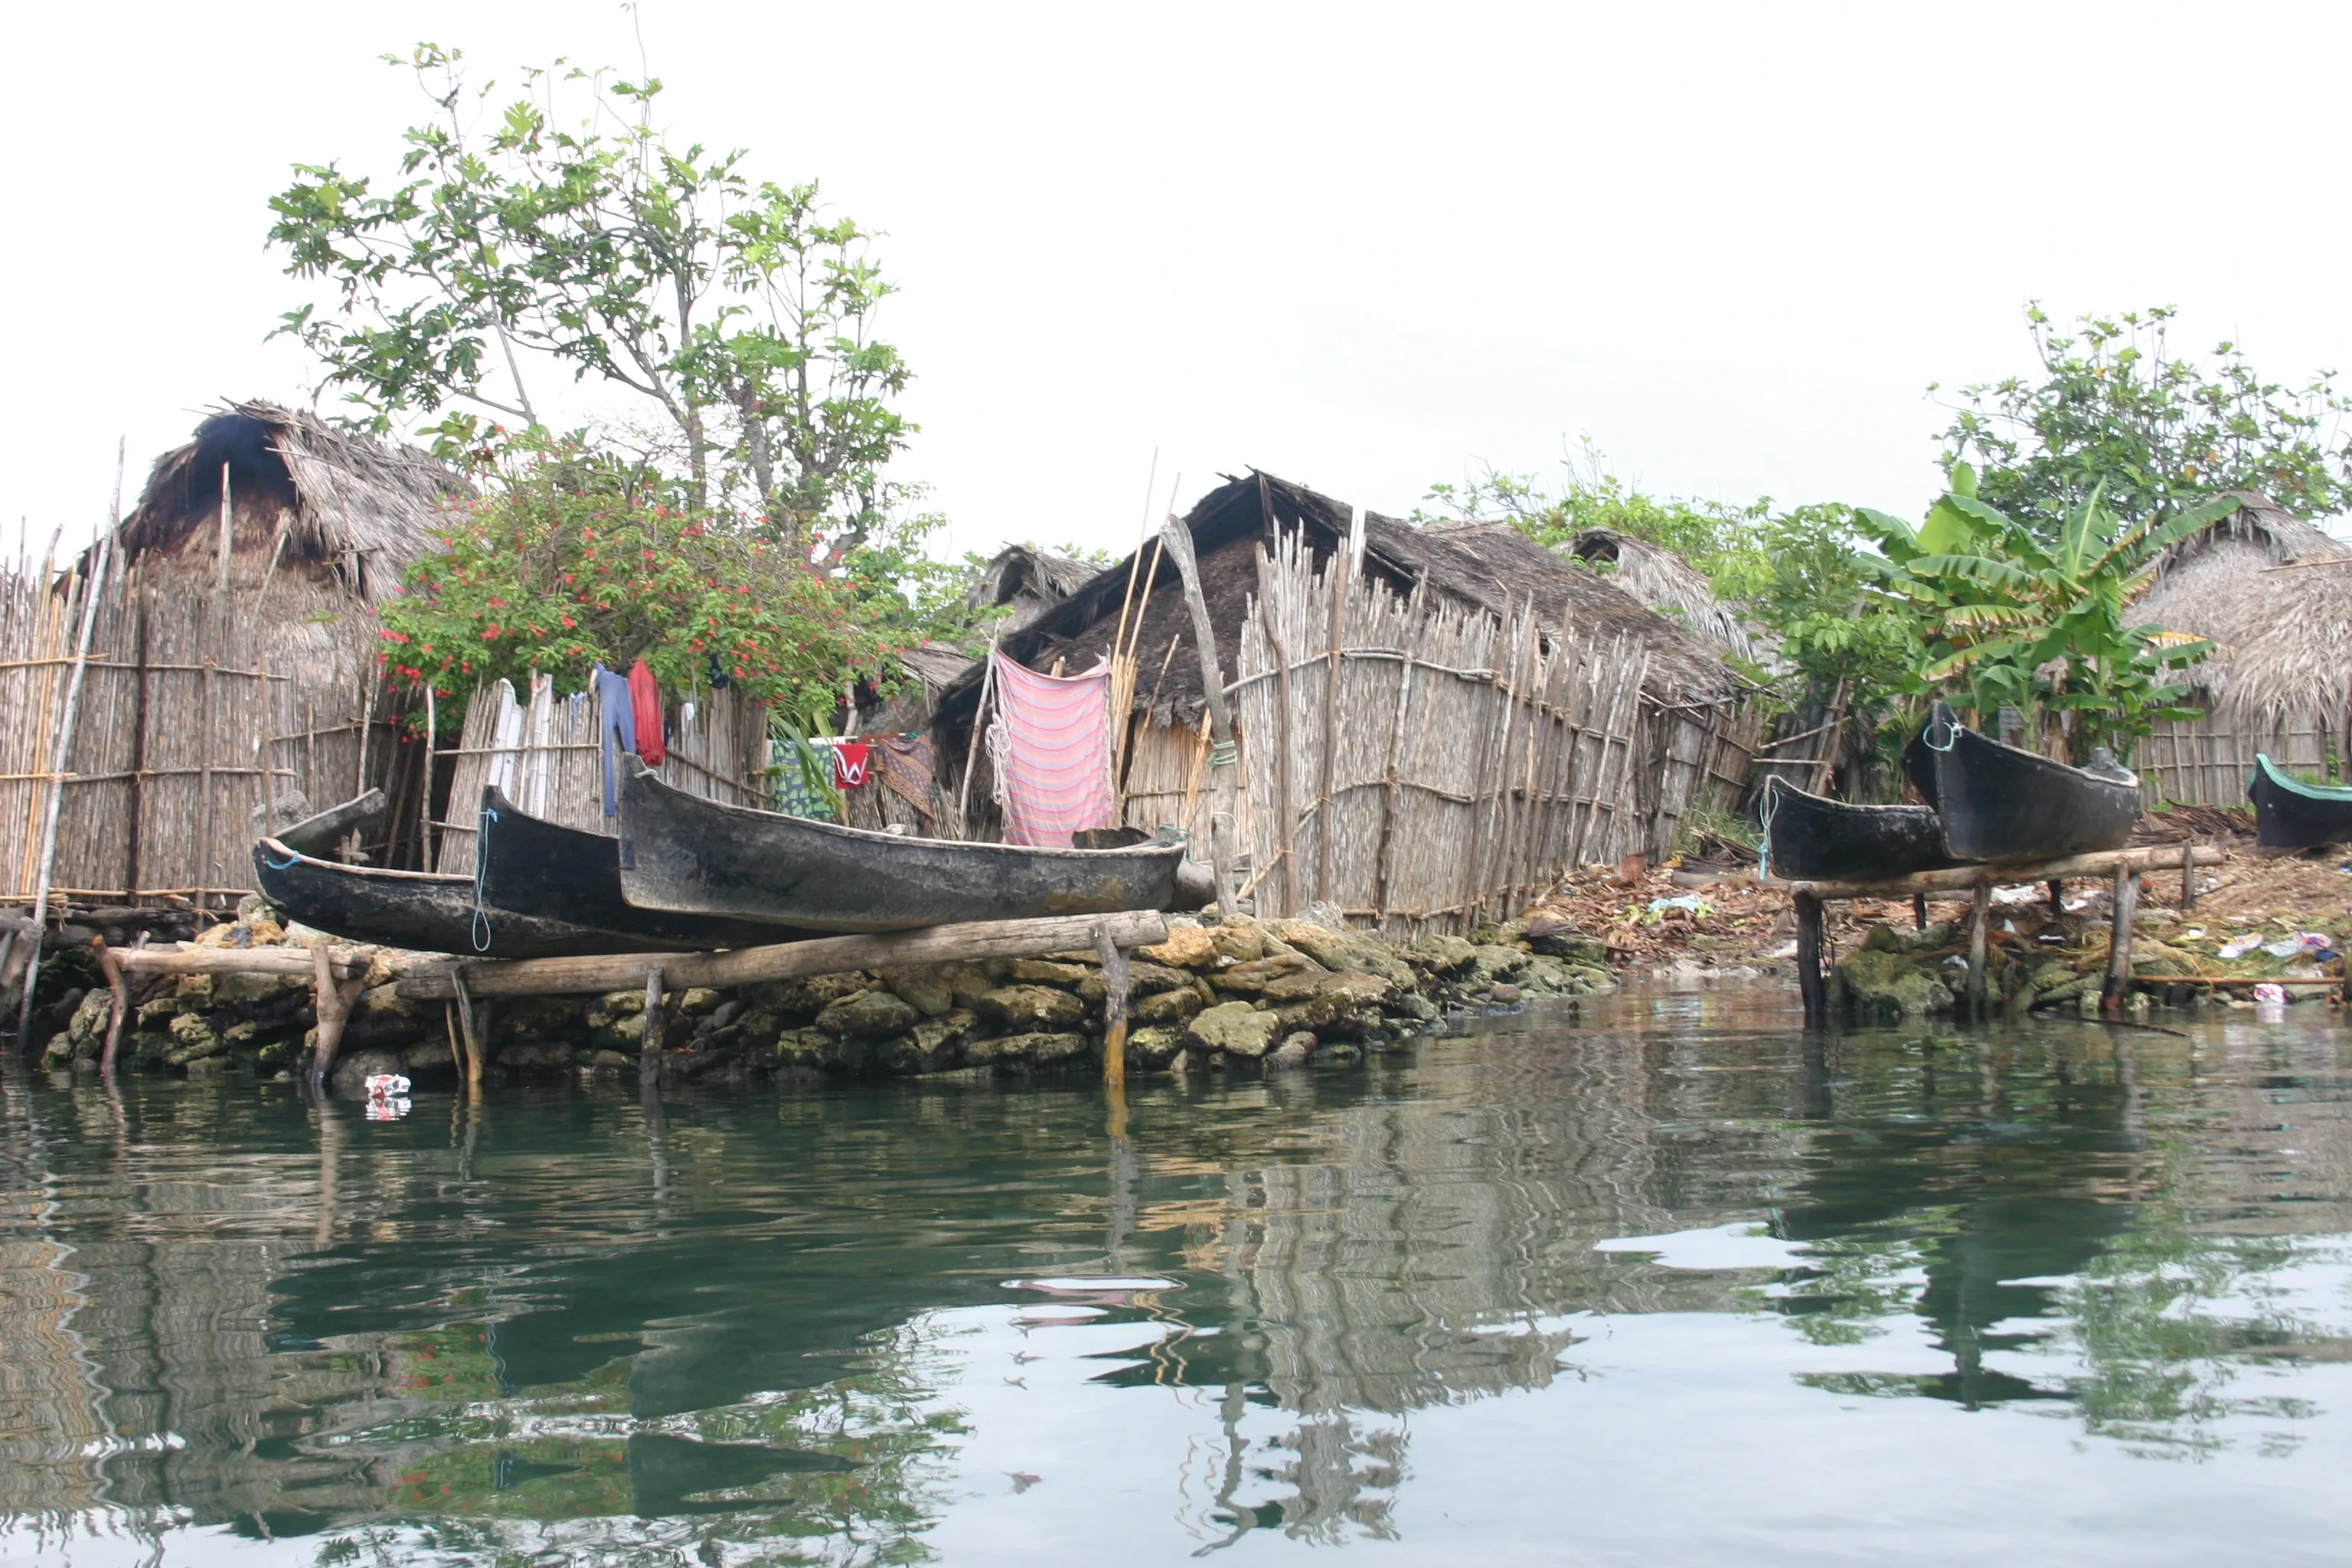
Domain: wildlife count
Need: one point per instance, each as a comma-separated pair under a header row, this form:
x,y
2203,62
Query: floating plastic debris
x,y
2267,992
2238,946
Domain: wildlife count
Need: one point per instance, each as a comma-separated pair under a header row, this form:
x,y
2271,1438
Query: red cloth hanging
x,y
851,760
646,707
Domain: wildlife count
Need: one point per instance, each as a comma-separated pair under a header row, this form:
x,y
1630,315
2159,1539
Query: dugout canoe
x,y
424,911
2289,814
1809,838
686,854
1999,802
536,867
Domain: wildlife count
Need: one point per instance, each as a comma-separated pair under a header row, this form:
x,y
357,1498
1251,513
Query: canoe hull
x,y
687,854
537,868
2291,815
1998,803
418,911
1808,838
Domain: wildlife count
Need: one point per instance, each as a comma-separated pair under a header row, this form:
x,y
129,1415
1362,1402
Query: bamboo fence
x,y
1420,765
545,755
2205,763
204,697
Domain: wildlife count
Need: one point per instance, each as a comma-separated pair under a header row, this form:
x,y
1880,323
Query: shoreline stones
x,y
1264,996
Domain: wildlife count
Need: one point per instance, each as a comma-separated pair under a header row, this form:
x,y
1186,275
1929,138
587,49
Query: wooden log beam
x,y
968,941
318,835
1965,878
1810,985
280,960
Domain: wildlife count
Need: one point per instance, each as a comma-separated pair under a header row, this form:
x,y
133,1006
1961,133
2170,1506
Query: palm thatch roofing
x,y
1668,585
1030,580
360,509
1487,566
2256,584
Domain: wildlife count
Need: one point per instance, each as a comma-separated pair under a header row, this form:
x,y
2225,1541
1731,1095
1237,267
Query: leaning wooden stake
x,y
58,760
1114,968
649,1048
1979,918
1222,755
110,966
333,999
2119,941
1810,985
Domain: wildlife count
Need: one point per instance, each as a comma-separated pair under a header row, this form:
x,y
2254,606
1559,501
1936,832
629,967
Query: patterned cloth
x,y
795,796
1051,747
852,763
904,764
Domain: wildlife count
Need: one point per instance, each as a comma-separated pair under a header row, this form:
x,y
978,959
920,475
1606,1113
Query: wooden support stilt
x,y
1979,918
111,967
650,1049
332,998
1810,983
2113,994
468,1024
1115,981
1918,911
2188,879
2057,898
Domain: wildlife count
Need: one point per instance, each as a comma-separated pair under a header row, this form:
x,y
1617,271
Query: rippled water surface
x,y
1671,1283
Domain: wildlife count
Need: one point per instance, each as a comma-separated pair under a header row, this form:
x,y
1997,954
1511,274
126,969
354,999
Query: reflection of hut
x,y
1691,732
2280,624
224,650
1668,585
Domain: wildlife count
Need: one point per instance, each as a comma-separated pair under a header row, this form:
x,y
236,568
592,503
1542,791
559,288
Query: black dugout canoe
x,y
1809,838
536,867
687,854
1999,802
2291,815
421,910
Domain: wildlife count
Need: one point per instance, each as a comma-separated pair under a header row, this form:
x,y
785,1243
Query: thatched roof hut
x,y
358,509
2262,586
1668,585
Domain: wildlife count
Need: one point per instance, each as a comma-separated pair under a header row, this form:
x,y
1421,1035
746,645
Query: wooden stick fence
x,y
1458,764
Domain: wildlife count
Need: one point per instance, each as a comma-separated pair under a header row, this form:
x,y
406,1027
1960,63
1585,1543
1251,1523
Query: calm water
x,y
1670,1286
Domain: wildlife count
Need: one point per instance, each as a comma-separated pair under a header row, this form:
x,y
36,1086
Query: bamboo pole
x,y
650,1045
972,756
1333,638
1115,987
1285,734
1980,920
425,810
2119,940
1222,755
92,588
968,941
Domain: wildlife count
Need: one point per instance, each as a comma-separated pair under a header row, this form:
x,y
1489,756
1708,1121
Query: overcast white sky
x,y
1363,246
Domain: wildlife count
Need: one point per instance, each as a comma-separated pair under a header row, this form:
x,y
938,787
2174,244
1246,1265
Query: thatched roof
x,y
1668,585
2273,653
1485,566
362,508
1030,580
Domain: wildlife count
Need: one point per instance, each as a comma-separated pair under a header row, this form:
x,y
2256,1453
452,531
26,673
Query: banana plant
x,y
2008,619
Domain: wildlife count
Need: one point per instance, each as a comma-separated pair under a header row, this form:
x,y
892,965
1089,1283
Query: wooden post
x,y
111,967
135,598
1918,911
2189,882
1286,818
60,766
1221,753
332,999
2057,898
972,753
1810,985
425,810
1979,918
1337,634
2119,941
468,1022
649,1048
228,541
1115,980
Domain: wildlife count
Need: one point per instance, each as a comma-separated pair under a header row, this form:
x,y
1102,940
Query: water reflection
x,y
852,1327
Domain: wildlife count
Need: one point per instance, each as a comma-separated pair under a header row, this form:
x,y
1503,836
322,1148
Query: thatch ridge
x,y
357,505
2276,648
1488,566
1667,583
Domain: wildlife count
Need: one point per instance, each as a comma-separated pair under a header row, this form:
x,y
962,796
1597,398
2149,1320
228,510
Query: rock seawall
x,y
1236,994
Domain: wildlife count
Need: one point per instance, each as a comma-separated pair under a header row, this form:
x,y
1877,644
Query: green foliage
x,y
2112,412
576,558
570,228
2005,616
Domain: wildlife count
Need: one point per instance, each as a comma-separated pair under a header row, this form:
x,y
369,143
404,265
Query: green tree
x,y
2006,618
2112,411
571,228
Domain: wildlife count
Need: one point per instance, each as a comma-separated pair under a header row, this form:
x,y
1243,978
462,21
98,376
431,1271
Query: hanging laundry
x,y
1050,748
903,763
796,793
616,713
645,699
852,762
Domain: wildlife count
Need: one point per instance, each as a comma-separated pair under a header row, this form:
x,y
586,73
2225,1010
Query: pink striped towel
x,y
1050,748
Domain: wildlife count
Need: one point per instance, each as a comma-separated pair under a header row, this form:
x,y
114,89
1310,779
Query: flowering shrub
x,y
572,560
